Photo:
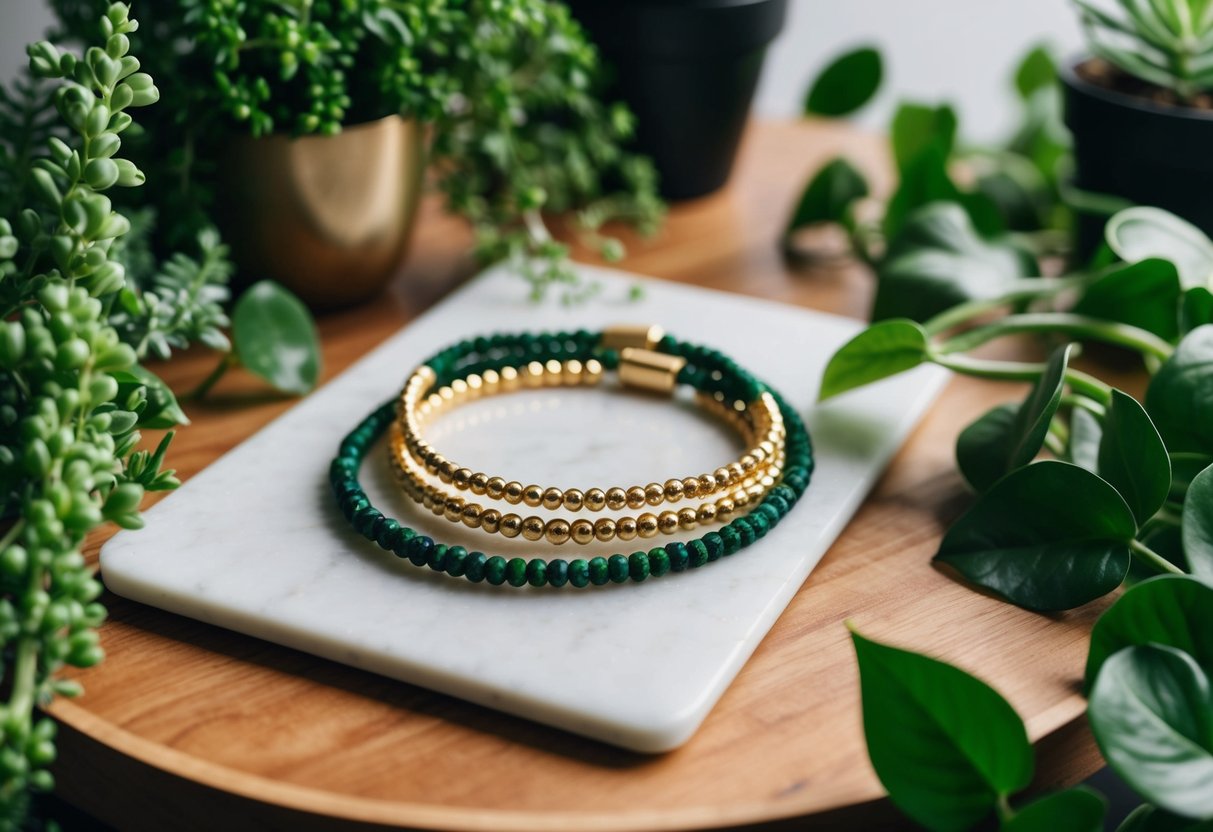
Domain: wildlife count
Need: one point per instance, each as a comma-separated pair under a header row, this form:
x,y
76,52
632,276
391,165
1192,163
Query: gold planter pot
x,y
329,217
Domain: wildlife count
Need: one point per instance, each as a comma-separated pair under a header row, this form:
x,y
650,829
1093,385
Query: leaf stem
x,y
1023,290
1152,559
226,363
1079,326
1093,407
1080,382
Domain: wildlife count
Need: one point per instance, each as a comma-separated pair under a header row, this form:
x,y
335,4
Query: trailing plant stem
x,y
1078,326
1082,383
1152,559
1025,290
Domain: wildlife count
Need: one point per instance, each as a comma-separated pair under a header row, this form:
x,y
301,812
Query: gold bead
x,y
667,522
454,509
447,470
532,375
654,494
571,372
747,463
509,379
495,488
721,476
459,390
434,463
461,478
471,515
604,529
553,370
646,525
636,497
688,518
706,513
595,499
592,374
532,495
475,385
573,499
756,491
707,485
690,487
768,447
446,395
492,382
478,482
557,532
759,455
532,528
513,492
616,498
626,528
673,490
490,520
736,473
511,525
740,498
582,531
552,498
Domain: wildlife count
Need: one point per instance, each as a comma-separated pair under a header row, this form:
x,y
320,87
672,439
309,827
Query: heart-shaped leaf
x,y
846,84
1174,610
1144,294
1085,435
945,745
1142,232
1196,309
1180,396
939,260
1037,70
883,349
1198,524
1074,810
919,126
829,195
993,445
1151,711
276,339
1049,536
1133,458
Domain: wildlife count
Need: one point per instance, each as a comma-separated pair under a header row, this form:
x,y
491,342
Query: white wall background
x,y
958,50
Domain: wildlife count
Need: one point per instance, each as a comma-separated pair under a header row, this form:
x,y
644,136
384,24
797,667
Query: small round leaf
x,y
275,338
846,84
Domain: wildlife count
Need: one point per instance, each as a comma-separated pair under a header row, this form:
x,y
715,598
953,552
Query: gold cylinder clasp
x,y
649,370
635,336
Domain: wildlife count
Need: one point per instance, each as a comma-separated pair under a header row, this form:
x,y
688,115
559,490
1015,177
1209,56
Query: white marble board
x,y
254,544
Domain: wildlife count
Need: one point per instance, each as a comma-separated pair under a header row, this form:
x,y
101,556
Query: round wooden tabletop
x,y
188,726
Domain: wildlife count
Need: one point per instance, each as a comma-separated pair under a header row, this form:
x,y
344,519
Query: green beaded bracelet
x,y
705,369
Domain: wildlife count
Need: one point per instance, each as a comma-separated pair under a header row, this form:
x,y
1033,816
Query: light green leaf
x,y
1142,232
883,349
846,84
162,410
919,126
275,338
1036,71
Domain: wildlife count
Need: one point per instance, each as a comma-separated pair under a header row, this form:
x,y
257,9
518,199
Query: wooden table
x,y
186,726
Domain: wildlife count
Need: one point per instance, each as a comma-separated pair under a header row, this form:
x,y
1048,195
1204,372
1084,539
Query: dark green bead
x,y
714,544
760,522
732,540
537,572
437,559
779,504
494,570
617,568
744,531
558,572
389,534
699,553
474,567
784,493
365,520
419,550
659,562
456,561
638,566
515,572
579,573
679,556
598,571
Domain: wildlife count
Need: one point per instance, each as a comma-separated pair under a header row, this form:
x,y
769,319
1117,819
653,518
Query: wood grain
x,y
187,726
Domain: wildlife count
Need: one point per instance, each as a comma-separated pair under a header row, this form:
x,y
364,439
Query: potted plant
x,y
1140,110
688,68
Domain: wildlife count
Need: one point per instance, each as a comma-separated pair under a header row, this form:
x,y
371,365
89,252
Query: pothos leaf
x,y
1142,232
1180,396
1132,457
846,84
829,195
1198,525
275,338
883,349
1074,810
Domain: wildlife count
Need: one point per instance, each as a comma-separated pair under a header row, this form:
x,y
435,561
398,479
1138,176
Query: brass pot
x,y
329,217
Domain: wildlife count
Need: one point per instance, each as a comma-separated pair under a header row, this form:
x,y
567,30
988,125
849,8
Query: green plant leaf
x,y
829,195
275,338
1198,525
1196,309
1180,396
1075,810
1151,711
945,745
1147,818
1049,536
939,260
1037,70
1184,468
846,84
994,445
924,180
1133,458
1173,610
1145,294
1085,435
162,410
883,349
1142,232
919,126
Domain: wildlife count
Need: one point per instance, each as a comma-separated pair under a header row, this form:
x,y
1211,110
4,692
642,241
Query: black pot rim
x,y
1069,76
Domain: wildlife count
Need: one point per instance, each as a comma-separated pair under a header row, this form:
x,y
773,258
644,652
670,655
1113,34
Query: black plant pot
x,y
688,69
1148,153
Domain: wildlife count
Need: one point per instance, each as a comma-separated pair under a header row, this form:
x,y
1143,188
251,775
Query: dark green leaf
x,y
939,261
1051,536
1151,711
1184,468
1036,71
1180,396
1141,232
1174,610
883,349
1085,435
944,744
1074,810
1133,458
276,339
1144,294
830,195
848,83
995,445
162,410
1198,525
917,127
924,180
1147,818
1196,309
1020,196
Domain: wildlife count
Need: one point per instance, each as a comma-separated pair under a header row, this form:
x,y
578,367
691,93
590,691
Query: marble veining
x,y
636,665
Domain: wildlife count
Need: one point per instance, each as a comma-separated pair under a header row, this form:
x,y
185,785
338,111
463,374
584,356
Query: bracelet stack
x,y
743,498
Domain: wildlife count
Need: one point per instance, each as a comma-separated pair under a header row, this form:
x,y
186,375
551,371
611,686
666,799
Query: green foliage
x,y
1139,233
1198,525
882,350
1075,810
276,339
1180,396
846,84
830,196
1144,294
1133,458
1164,42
